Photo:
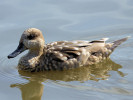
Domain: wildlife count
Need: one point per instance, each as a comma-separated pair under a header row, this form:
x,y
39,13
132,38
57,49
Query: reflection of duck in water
x,y
62,54
33,90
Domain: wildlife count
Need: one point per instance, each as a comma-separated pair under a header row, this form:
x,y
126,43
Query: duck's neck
x,y
30,60
35,53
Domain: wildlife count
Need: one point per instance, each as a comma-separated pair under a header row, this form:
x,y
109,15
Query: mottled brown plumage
x,y
61,54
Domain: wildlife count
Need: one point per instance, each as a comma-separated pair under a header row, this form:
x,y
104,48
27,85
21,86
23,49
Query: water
x,y
68,20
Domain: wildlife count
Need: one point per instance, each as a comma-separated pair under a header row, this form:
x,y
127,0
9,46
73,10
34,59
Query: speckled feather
x,y
71,54
61,55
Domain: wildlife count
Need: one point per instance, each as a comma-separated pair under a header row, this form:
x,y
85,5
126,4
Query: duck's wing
x,y
66,54
66,50
70,54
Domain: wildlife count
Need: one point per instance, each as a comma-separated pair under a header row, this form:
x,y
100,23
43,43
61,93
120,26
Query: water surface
x,y
68,20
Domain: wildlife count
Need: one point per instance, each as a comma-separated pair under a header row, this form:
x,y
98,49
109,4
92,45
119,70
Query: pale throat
x,y
31,58
35,52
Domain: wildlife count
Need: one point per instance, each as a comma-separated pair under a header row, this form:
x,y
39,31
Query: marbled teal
x,y
60,55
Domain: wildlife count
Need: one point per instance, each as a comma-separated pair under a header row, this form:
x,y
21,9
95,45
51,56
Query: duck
x,y
60,55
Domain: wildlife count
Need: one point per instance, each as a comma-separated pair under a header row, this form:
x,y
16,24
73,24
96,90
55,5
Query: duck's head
x,y
31,39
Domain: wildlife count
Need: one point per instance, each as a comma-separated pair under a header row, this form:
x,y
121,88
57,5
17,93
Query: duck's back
x,y
71,54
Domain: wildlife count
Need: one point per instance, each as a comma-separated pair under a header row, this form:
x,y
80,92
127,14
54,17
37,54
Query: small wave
x,y
8,70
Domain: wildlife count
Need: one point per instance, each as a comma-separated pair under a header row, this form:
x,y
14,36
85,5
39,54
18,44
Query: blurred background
x,y
68,20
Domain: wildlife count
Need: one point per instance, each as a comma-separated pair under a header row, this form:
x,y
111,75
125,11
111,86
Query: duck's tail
x,y
118,42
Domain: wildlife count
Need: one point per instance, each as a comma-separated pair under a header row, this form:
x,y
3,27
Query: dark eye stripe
x,y
30,37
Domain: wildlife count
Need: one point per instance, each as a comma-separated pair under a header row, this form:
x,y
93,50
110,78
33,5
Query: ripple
x,y
111,90
8,70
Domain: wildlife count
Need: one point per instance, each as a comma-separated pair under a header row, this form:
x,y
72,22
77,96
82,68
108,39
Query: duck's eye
x,y
30,37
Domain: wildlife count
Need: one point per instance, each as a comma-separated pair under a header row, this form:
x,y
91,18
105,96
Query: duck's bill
x,y
19,50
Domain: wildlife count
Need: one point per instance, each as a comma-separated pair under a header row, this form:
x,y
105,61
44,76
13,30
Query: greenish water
x,y
68,20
